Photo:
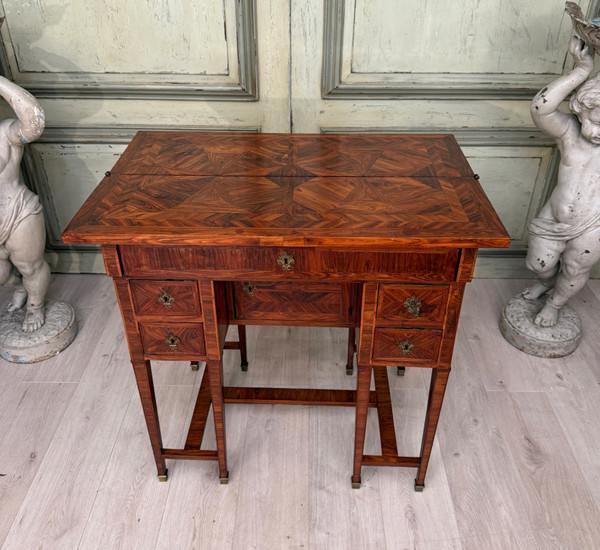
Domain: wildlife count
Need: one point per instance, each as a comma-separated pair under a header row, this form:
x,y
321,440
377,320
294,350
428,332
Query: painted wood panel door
x,y
103,70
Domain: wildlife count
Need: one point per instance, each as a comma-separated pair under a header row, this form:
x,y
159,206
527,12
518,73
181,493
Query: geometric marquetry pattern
x,y
173,340
406,345
290,301
244,187
293,155
165,298
414,305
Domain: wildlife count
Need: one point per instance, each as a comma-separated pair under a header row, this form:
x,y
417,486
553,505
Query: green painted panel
x,y
462,36
119,37
515,179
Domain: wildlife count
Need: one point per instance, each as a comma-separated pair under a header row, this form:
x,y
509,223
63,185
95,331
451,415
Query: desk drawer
x,y
405,346
412,305
173,341
264,263
295,303
165,299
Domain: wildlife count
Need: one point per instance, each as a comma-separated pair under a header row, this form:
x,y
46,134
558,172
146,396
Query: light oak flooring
x,y
516,463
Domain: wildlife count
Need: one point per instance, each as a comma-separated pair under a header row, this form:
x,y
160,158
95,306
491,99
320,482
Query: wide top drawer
x,y
267,263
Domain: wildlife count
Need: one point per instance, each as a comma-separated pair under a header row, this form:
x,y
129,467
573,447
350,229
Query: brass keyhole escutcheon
x,y
406,347
172,342
165,298
286,261
413,305
249,288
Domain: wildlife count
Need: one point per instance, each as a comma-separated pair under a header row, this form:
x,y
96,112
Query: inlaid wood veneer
x,y
377,232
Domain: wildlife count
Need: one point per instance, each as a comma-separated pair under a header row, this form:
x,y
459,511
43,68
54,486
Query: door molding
x,y
242,86
335,85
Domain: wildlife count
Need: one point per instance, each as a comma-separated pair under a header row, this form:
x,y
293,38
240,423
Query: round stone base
x,y
57,332
516,325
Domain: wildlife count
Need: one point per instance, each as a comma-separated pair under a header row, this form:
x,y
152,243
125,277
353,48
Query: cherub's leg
x,y
543,257
579,257
9,276
18,299
26,246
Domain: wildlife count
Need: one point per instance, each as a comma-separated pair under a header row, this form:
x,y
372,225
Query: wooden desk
x,y
203,230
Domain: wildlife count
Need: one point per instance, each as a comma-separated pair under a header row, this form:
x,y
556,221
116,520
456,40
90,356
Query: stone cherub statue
x,y
564,241
22,229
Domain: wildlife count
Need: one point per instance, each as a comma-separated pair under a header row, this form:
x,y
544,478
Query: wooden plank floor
x,y
516,464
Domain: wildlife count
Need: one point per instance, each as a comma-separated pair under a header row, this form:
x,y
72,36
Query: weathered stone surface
x,y
517,326
51,338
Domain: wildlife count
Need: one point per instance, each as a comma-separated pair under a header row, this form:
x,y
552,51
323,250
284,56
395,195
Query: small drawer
x,y
295,303
173,341
404,346
165,299
412,305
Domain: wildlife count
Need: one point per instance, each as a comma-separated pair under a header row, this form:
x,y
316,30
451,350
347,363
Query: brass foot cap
x,y
195,365
355,484
244,366
349,371
224,480
419,488
400,371
163,477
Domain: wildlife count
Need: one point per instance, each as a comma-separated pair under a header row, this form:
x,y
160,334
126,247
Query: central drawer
x,y
294,303
264,263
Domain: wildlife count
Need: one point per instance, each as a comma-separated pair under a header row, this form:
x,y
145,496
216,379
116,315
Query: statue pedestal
x,y
516,325
57,332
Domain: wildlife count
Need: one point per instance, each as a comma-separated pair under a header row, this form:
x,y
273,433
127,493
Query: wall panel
x,y
113,48
484,49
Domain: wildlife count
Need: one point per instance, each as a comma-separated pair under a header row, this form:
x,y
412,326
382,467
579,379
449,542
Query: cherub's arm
x,y
544,107
31,117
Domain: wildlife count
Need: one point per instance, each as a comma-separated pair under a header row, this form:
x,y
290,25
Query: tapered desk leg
x,y
243,347
363,386
215,375
437,388
143,377
351,350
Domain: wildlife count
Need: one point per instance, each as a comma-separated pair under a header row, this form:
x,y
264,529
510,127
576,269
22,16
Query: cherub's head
x,y
585,103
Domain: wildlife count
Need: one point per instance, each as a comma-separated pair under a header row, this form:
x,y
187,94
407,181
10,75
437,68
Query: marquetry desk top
x,y
374,233
232,189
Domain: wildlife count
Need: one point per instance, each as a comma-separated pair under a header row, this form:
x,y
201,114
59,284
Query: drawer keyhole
x,y
286,261
165,298
406,347
413,305
249,288
172,342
